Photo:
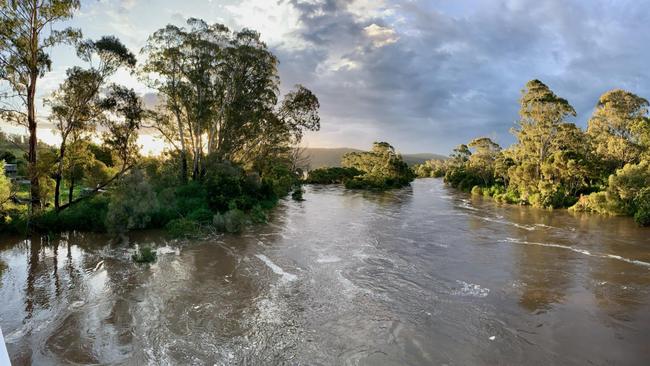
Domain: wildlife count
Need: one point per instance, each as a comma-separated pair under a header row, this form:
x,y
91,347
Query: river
x,y
419,276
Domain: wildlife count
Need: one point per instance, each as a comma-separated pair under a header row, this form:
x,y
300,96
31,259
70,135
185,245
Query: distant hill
x,y
322,157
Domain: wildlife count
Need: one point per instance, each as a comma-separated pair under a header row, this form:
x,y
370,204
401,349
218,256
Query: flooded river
x,y
419,276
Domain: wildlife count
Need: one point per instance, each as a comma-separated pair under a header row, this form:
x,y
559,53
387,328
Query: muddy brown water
x,y
420,276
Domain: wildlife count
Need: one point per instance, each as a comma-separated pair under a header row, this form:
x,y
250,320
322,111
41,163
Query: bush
x,y
201,215
297,194
258,215
232,221
183,228
333,175
132,204
476,190
642,203
144,255
87,215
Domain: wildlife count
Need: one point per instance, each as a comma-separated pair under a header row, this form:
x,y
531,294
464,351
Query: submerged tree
x,y
25,36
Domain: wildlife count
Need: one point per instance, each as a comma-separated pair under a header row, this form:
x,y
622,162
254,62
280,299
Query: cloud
x,y
428,75
423,74
381,36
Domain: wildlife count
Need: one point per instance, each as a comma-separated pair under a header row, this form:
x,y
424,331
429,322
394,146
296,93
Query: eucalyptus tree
x,y
25,36
163,71
219,96
542,115
484,158
75,106
620,129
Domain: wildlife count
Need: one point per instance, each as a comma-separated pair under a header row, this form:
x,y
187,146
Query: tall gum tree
x,y
25,35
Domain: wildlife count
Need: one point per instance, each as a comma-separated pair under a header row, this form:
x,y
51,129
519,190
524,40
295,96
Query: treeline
x,y
379,169
231,134
554,163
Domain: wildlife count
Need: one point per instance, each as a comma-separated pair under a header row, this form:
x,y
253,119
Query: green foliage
x,y
382,168
333,175
233,221
201,216
642,206
183,228
297,193
87,215
5,191
619,129
131,204
258,215
431,169
144,255
556,164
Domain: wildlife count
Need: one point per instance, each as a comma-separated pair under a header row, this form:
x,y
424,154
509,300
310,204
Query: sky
x,y
422,75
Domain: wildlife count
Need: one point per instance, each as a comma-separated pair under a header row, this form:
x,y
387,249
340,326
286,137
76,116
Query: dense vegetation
x,y
232,137
379,169
554,163
332,175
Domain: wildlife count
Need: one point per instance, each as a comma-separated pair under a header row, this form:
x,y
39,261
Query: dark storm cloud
x,y
456,73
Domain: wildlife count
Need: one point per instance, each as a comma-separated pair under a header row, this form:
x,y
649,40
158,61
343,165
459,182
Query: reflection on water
x,y
419,276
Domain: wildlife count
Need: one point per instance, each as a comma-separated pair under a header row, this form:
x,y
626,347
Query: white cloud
x,y
381,36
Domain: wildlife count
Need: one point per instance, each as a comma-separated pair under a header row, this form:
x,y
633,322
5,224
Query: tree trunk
x,y
35,191
57,191
59,175
183,166
31,122
70,190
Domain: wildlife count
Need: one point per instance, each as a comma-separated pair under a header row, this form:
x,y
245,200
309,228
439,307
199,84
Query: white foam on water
x,y
98,266
525,227
286,276
328,259
470,289
577,250
168,250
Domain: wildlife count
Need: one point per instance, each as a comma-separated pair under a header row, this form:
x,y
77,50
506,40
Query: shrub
x,y
297,194
333,175
258,215
183,228
232,221
144,255
642,203
201,215
132,204
87,215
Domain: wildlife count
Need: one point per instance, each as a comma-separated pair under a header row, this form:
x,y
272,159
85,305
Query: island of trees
x,y
378,169
232,134
553,163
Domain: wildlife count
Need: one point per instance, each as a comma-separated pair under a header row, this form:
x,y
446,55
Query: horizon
x,y
394,59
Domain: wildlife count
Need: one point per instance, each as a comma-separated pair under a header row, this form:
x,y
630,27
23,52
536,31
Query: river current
x,y
424,275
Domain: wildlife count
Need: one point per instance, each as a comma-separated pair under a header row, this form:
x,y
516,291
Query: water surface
x,y
420,276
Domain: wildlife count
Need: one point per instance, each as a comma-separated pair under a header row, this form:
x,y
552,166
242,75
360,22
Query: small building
x,y
11,170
